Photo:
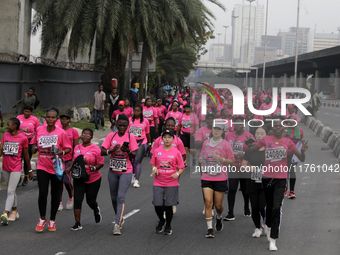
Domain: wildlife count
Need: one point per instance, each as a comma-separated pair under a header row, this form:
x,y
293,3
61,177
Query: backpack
x,y
37,102
78,170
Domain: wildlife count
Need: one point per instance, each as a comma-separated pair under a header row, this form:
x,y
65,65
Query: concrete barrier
x,y
336,150
314,124
309,120
319,130
325,133
332,139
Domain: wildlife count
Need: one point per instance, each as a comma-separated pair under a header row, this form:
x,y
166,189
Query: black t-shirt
x,y
255,159
166,103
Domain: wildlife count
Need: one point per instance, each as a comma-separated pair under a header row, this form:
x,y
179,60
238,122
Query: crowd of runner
x,y
171,130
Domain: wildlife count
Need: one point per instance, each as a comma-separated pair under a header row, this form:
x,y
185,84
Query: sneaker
x,y
77,226
40,226
136,184
247,213
210,233
4,219
286,191
133,179
229,217
121,224
257,233
291,195
61,207
219,224
95,130
51,225
116,230
97,215
14,215
104,128
174,209
272,244
267,231
69,204
167,231
24,182
160,227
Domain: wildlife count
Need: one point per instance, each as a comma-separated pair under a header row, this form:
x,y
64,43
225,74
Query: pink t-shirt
x,y
277,112
120,160
203,133
167,163
176,115
293,114
238,145
57,124
224,150
150,113
139,130
162,109
28,126
130,110
92,157
188,123
72,135
12,150
276,152
116,113
177,143
44,142
265,106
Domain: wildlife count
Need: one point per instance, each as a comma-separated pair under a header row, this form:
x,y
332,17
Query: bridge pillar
x,y
302,80
251,81
317,80
273,81
15,19
285,79
337,83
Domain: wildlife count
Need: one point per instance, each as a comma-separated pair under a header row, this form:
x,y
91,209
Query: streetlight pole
x,y
218,45
265,47
225,43
297,45
250,1
233,39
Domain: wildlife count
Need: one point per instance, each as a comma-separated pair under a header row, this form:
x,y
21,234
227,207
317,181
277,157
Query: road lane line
x,y
129,214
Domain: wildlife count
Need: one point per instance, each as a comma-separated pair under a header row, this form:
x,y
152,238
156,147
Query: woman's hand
x,y
117,146
218,158
30,176
201,160
175,175
124,149
304,146
155,171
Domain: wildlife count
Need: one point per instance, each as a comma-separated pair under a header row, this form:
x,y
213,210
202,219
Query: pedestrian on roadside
x,y
93,163
134,95
333,95
112,103
316,103
12,146
121,146
47,137
128,108
98,107
28,127
73,137
28,99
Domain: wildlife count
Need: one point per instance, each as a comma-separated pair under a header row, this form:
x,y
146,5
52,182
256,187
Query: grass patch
x,y
82,124
3,129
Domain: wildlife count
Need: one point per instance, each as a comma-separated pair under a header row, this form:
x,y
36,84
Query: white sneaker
x,y
267,231
61,207
69,204
174,209
272,244
257,233
136,184
133,179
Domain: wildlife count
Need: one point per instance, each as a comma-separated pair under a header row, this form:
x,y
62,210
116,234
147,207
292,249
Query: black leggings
x,y
292,173
30,155
232,189
91,190
168,212
258,203
44,179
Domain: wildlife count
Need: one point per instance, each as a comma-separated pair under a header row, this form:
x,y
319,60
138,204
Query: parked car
x,y
325,95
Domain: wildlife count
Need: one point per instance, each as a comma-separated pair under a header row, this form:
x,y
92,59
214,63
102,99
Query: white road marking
x,y
326,113
129,214
337,115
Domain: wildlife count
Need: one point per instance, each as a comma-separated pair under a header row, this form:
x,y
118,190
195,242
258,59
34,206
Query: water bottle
x,y
204,157
58,167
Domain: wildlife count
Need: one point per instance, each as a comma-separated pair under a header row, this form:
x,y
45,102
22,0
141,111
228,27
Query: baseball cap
x,y
290,106
143,100
121,102
65,115
209,114
168,132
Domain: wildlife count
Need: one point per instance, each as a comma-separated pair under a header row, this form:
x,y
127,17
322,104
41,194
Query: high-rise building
x,y
324,41
288,42
241,32
216,52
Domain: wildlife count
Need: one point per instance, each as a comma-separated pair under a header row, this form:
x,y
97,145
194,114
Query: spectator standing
x,y
112,103
134,95
98,108
316,102
28,99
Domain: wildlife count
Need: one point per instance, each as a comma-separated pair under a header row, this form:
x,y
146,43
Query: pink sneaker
x,y
40,226
51,225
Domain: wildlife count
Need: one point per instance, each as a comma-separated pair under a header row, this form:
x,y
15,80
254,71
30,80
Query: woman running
x,y
295,134
216,152
73,136
48,136
167,166
174,113
93,163
28,127
274,177
12,146
121,146
187,127
151,114
140,129
254,185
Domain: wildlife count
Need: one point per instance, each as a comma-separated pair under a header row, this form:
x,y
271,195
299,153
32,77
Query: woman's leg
x,y
79,192
114,184
123,186
208,194
92,190
243,185
43,183
138,160
232,189
255,208
12,179
56,185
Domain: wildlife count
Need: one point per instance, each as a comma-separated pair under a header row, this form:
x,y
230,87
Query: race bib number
x,y
11,148
136,131
237,147
256,175
148,114
186,124
275,154
176,123
118,164
213,168
46,141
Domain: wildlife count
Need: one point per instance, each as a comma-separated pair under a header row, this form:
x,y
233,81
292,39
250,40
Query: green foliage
x,y
208,74
229,74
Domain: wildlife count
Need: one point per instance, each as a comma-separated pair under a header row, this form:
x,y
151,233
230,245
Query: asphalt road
x,y
310,223
330,117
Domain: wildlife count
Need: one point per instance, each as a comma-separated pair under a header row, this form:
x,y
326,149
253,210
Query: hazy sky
x,y
282,15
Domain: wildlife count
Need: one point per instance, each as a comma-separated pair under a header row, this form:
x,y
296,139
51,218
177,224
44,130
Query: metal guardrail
x,y
19,58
